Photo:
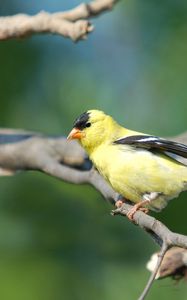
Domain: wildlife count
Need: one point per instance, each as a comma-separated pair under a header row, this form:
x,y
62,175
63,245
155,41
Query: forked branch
x,y
23,151
71,24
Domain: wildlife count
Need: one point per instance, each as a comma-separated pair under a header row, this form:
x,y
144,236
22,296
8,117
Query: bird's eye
x,y
88,124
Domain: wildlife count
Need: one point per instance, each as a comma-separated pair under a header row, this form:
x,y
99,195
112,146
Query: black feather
x,y
154,143
82,121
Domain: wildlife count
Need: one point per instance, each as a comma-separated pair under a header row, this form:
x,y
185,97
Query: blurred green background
x,y
58,241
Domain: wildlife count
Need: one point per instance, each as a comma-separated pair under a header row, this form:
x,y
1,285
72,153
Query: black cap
x,y
82,121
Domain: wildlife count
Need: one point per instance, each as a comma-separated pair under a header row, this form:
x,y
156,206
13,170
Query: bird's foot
x,y
135,208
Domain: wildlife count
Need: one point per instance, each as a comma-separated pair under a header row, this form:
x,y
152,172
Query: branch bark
x,y
70,24
154,273
66,160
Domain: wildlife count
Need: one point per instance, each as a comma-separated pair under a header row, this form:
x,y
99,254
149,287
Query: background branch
x,y
70,24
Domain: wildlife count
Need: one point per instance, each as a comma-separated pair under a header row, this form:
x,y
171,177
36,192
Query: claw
x,y
135,208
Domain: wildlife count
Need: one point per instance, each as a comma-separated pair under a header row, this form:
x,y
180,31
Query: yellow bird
x,y
140,167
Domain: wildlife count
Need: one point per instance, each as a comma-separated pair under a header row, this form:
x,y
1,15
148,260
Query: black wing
x,y
154,143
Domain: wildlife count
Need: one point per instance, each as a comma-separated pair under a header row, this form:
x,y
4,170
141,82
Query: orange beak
x,y
75,134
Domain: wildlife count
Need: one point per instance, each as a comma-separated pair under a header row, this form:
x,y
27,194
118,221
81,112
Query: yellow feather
x,y
131,172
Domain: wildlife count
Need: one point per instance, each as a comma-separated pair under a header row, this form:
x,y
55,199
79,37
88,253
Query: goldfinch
x,y
141,168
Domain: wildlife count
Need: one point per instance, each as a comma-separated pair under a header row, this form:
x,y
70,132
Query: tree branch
x,y
86,11
153,275
70,24
21,151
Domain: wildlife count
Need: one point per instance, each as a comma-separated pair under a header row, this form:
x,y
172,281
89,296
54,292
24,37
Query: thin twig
x,y
163,250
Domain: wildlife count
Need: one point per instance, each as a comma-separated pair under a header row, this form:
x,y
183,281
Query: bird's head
x,y
92,128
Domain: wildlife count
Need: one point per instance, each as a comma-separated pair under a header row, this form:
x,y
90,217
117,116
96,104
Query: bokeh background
x,y
58,241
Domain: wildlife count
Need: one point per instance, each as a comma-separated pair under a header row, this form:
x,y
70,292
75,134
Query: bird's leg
x,y
136,207
147,198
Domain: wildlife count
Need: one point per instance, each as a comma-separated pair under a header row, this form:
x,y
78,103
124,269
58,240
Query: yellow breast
x,y
132,173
